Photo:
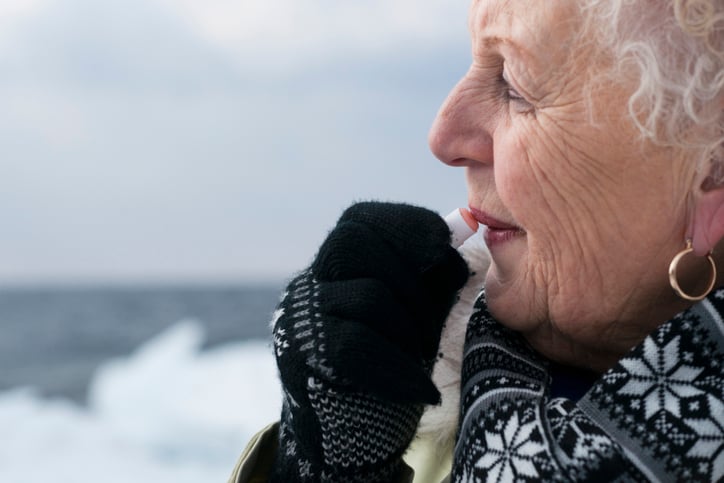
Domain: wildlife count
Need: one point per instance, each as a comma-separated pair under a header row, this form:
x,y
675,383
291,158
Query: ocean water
x,y
133,384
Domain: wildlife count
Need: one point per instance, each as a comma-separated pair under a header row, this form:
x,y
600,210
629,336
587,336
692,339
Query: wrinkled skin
x,y
601,212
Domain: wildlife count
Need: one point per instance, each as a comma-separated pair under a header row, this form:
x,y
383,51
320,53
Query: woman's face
x,y
583,218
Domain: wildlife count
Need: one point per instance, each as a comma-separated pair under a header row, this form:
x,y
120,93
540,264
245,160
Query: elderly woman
x,y
592,137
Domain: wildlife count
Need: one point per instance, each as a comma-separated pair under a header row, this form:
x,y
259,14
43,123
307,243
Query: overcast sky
x,y
212,140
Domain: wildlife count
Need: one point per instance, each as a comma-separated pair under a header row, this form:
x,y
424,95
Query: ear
x,y
707,228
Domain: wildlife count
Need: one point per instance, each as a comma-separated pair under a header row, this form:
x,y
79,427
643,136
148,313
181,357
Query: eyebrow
x,y
489,41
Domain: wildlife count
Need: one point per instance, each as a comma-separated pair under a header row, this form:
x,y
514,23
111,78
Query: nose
x,y
461,132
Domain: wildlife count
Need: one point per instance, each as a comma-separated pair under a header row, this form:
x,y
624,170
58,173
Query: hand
x,y
356,336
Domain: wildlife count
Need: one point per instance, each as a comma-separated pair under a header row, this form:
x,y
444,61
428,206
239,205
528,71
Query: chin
x,y
506,304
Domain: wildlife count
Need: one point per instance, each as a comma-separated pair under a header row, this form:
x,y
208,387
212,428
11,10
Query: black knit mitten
x,y
355,337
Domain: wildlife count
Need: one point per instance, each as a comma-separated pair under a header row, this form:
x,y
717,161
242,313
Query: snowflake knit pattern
x,y
658,415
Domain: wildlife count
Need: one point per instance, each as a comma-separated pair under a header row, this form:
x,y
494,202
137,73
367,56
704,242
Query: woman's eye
x,y
513,96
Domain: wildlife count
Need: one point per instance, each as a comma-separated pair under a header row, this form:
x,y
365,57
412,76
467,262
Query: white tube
x,y
460,228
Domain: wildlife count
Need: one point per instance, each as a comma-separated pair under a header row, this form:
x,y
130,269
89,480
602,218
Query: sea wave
x,y
169,412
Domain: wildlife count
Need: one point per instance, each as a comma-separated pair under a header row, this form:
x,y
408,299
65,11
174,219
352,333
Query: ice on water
x,y
169,412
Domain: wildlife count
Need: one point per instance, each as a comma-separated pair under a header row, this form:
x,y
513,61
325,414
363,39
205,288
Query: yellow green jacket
x,y
424,463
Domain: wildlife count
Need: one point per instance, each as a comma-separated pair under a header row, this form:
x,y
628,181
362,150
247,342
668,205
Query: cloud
x,y
286,34
11,10
144,141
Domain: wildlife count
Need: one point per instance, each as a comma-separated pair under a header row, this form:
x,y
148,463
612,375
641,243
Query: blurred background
x,y
165,166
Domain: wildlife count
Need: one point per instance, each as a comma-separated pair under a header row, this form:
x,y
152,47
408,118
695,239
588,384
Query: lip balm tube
x,y
462,226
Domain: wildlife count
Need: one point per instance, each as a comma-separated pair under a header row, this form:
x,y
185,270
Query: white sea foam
x,y
167,413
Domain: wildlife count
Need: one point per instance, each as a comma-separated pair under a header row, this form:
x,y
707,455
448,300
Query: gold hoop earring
x,y
675,282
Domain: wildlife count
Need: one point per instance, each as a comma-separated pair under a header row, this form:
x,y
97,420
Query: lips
x,y
492,223
497,232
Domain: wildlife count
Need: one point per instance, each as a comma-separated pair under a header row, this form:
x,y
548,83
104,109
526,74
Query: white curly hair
x,y
674,51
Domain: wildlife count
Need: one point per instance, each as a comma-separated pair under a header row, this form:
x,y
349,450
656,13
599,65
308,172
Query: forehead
x,y
537,30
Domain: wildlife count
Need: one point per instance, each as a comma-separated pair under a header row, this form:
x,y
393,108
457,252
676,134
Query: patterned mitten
x,y
356,336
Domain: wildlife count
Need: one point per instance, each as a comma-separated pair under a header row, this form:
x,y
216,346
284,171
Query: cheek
x,y
547,190
534,183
